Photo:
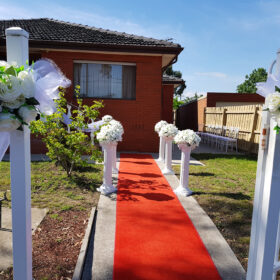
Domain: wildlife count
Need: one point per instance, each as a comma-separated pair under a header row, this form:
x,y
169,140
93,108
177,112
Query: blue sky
x,y
223,40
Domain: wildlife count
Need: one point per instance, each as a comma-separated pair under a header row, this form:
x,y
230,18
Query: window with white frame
x,y
105,80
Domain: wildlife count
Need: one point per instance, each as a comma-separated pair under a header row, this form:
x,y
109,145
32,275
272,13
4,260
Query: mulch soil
x,y
56,246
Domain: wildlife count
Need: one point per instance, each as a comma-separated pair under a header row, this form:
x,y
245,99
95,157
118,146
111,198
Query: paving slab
x,y
6,239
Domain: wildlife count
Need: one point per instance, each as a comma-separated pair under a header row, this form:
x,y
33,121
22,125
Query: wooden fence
x,y
246,118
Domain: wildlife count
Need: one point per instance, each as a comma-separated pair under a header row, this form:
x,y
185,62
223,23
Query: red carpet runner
x,y
155,238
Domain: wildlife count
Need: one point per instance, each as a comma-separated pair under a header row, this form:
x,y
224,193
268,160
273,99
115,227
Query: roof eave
x,y
101,47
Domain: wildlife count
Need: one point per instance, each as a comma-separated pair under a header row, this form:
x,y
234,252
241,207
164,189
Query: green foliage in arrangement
x,y
67,148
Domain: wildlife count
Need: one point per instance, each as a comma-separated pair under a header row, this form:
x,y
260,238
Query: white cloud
x,y
211,74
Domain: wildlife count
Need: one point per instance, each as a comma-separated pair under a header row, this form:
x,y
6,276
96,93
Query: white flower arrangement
x,y
107,118
159,125
188,137
168,130
17,91
24,93
110,133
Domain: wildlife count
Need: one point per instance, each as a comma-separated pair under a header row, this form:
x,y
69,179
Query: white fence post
x,y
17,51
266,215
259,189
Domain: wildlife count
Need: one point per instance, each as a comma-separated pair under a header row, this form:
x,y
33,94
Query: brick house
x,y
126,71
191,115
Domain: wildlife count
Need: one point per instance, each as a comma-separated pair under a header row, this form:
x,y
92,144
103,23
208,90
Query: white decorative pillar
x,y
107,186
115,169
184,174
161,148
168,157
17,51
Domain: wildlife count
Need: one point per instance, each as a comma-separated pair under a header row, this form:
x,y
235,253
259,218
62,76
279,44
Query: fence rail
x,y
246,118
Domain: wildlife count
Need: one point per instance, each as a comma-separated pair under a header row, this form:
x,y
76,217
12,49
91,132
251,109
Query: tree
x,y
65,147
249,85
180,89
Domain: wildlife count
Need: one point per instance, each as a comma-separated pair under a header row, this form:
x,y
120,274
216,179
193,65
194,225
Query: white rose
x,y
27,84
272,101
159,125
8,122
15,103
11,90
107,118
28,113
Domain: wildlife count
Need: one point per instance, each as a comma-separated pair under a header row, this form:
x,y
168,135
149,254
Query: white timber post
x,y
17,51
114,168
183,189
168,157
107,186
161,149
266,245
258,198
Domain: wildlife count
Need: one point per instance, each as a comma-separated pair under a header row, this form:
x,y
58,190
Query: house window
x,y
105,80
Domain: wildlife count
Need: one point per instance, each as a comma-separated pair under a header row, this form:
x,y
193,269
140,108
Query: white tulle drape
x,y
265,88
48,78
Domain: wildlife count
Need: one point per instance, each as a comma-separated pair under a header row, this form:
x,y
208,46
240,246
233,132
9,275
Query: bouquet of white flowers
x,y
26,92
111,132
159,125
188,137
107,118
17,101
168,130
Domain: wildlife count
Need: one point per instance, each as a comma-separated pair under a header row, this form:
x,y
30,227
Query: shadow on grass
x,y
203,174
84,182
236,196
226,156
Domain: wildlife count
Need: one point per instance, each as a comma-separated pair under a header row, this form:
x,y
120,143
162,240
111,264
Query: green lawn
x,y
51,188
224,188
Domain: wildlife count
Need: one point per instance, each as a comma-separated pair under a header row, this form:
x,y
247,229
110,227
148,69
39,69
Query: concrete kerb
x,y
225,260
104,239
82,255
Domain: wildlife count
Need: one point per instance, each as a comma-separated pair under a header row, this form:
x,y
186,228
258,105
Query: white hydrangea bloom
x,y
107,118
117,125
27,83
168,130
188,137
159,125
28,113
109,134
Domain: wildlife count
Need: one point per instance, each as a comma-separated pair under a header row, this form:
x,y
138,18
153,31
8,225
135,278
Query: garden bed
x,y
224,188
57,241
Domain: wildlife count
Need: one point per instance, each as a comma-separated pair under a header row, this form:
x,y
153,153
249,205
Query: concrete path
x,y
104,239
6,239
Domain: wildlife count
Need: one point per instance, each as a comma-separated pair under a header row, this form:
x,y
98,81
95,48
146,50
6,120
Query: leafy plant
x,y
65,147
249,85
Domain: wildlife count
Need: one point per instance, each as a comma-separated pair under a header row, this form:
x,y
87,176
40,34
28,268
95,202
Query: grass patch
x,y
224,188
51,188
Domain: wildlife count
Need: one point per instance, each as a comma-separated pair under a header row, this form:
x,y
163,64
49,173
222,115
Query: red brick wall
x,y
137,116
167,103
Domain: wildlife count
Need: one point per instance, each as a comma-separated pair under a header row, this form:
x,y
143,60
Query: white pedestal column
x,y
115,169
107,186
161,149
184,175
168,157
17,51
